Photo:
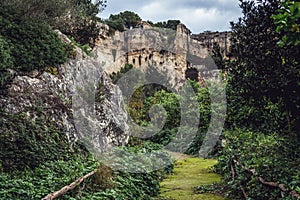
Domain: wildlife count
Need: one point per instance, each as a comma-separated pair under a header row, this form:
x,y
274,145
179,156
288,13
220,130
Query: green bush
x,y
126,19
26,142
171,24
6,61
5,54
33,45
48,177
144,98
273,157
105,184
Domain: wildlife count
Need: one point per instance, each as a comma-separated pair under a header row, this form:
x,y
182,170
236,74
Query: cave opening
x,y
192,74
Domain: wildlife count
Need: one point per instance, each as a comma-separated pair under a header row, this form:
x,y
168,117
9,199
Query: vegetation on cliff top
x,y
128,19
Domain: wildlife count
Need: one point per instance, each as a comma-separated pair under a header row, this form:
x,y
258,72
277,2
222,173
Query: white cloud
x,y
198,15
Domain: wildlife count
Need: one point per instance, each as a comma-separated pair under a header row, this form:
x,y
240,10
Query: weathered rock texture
x,y
169,52
55,95
210,39
80,98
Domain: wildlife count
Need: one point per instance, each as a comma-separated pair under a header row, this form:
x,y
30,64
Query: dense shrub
x,y
262,137
5,54
170,24
26,143
105,184
145,185
273,157
123,20
115,76
45,179
6,61
27,45
263,73
84,30
33,45
144,98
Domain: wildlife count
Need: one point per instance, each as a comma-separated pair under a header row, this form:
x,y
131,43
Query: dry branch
x,y
272,184
67,188
233,177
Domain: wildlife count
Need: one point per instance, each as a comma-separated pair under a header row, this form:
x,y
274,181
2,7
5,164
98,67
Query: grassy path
x,y
189,173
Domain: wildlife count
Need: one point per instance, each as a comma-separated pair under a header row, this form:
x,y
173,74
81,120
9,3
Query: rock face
x,y
171,53
209,39
57,96
79,96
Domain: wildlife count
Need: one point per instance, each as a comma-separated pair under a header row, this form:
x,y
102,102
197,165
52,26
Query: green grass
x,y
188,174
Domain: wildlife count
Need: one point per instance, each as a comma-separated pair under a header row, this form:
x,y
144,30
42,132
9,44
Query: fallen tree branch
x,y
67,188
233,177
272,184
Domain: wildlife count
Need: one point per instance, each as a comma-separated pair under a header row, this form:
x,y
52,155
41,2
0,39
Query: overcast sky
x,y
197,15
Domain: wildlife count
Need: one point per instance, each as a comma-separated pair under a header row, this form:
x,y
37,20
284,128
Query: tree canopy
x,y
288,21
123,20
263,71
263,126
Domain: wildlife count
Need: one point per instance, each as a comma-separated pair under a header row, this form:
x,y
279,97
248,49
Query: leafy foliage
x,y
5,54
46,178
218,57
171,24
123,20
143,100
88,7
26,143
46,50
6,61
75,18
262,73
37,10
33,45
263,107
51,10
288,21
116,76
273,157
105,184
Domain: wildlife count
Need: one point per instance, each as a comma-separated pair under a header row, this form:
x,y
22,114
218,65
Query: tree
x,y
75,18
117,24
126,19
288,21
51,9
89,7
40,10
130,19
261,148
262,73
217,56
80,20
171,24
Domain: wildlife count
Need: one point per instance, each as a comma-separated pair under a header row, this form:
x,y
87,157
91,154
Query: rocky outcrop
x,y
169,52
210,39
56,95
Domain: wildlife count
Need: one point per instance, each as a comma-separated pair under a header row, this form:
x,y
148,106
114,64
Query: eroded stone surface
x,y
54,96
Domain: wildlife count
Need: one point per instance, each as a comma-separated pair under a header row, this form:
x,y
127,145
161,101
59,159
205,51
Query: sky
x,y
197,15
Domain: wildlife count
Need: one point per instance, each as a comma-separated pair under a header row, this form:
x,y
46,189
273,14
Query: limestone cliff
x,y
54,94
79,96
170,52
209,39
